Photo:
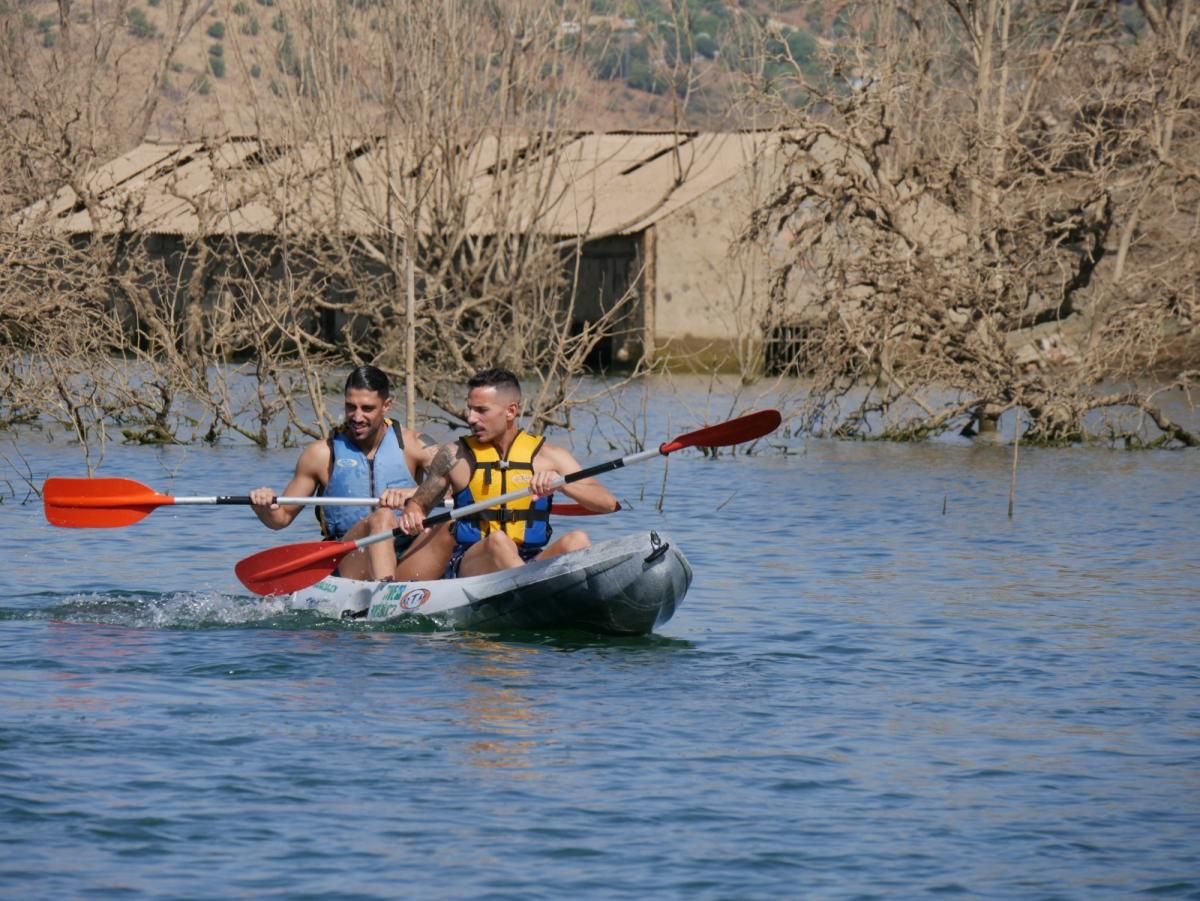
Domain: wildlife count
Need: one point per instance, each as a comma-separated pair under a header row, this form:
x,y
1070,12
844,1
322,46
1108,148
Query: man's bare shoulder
x,y
555,456
421,445
445,457
314,460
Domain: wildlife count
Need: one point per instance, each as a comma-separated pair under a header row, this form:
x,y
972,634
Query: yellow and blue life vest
x,y
527,522
352,474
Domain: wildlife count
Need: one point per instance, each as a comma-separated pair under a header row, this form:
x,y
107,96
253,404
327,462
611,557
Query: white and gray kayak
x,y
623,586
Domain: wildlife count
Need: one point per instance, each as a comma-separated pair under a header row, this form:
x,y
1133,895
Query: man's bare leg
x,y
495,552
375,561
427,556
575,540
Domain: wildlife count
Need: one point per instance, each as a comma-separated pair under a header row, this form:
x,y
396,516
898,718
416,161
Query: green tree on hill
x,y
139,25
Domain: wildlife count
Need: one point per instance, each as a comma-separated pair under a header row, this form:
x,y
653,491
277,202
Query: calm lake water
x,y
879,686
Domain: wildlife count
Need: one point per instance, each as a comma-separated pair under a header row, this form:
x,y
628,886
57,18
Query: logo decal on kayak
x,y
410,599
394,592
414,599
325,586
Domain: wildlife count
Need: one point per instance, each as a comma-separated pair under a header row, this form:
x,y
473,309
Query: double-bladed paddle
x,y
282,570
109,503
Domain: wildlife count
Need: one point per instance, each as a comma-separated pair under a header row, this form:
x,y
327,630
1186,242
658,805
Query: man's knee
x,y
499,544
575,540
381,520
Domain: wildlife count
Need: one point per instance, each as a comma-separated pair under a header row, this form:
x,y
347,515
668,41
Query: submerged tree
x,y
441,141
393,196
65,105
991,205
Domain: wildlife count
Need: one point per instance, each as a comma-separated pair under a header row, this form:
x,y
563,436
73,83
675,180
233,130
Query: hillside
x,y
229,65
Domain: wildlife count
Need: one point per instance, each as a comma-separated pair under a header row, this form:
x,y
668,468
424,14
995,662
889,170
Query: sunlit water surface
x,y
880,685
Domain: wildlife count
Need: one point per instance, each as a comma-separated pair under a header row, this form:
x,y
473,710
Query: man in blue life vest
x,y
367,456
496,458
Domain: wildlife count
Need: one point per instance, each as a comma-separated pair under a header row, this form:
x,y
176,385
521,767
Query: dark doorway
x,y
608,269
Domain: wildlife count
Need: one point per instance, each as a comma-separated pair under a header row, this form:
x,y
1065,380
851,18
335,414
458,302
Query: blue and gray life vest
x,y
352,474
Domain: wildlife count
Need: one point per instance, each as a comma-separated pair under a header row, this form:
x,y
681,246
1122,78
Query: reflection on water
x,y
494,706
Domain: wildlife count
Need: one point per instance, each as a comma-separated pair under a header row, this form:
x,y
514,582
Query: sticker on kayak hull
x,y
393,592
409,601
414,599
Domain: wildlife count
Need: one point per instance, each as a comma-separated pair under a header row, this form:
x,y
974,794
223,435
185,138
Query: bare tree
x,y
442,173
82,94
989,205
396,202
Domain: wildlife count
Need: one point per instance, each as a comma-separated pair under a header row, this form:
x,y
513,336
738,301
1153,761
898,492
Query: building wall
x,y
710,288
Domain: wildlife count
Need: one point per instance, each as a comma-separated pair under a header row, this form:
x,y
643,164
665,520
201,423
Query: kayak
x,y
622,586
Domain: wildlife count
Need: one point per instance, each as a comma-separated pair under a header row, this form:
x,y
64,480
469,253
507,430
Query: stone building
x,y
658,214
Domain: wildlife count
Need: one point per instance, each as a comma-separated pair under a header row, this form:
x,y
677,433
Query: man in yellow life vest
x,y
496,458
367,456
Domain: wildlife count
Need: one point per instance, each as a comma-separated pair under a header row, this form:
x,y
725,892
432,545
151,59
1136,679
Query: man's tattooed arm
x,y
437,480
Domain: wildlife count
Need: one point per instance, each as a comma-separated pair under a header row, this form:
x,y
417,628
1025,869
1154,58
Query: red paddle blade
x,y
575,510
735,431
282,570
98,503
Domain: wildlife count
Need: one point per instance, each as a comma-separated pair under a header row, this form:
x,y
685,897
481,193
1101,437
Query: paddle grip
x,y
284,501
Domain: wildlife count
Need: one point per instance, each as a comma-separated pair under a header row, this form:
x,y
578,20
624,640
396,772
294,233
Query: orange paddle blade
x,y
282,570
98,503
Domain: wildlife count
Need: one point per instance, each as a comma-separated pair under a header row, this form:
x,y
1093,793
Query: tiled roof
x,y
573,184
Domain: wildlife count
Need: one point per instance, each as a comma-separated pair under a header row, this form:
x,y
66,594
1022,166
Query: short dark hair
x,y
371,378
494,378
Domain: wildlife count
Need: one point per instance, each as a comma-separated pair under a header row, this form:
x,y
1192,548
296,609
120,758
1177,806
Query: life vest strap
x,y
503,515
487,467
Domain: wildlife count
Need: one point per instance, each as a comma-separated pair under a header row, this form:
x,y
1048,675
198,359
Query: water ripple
x,y
880,686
